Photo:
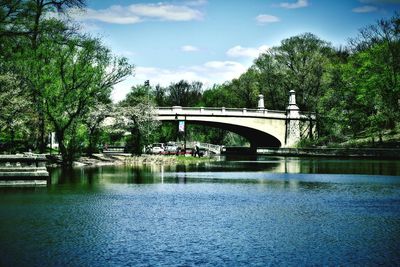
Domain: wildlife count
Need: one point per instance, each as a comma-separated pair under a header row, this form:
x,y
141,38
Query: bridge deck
x,y
228,112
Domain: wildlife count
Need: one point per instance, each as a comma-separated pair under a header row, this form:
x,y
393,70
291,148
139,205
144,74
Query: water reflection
x,y
318,165
278,211
285,172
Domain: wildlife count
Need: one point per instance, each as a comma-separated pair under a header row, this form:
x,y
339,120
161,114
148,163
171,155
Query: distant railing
x,y
113,149
216,149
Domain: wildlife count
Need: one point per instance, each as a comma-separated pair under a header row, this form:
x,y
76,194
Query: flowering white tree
x,y
15,108
94,120
137,115
140,120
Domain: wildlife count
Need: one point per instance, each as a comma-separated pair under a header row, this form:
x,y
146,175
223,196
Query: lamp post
x,y
184,135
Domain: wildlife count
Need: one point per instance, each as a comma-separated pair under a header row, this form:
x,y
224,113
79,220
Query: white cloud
x,y
264,19
196,2
298,4
165,12
209,73
89,27
251,52
139,12
189,48
380,1
365,9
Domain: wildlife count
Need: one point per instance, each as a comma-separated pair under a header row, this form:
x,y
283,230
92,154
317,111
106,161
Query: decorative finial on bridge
x,y
292,101
293,121
260,102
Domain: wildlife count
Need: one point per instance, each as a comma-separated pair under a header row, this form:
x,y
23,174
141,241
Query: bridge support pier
x,y
292,121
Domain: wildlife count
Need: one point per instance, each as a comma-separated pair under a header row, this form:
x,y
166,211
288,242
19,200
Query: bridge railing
x,y
211,147
220,111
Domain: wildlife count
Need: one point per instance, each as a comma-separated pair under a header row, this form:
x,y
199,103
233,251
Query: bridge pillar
x,y
292,121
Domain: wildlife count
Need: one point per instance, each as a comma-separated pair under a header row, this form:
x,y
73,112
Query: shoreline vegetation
x,y
129,160
144,159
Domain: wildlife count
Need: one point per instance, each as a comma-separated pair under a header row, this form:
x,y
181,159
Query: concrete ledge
x,y
22,169
44,174
23,183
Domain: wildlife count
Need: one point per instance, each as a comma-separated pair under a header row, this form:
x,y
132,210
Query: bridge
x,y
262,127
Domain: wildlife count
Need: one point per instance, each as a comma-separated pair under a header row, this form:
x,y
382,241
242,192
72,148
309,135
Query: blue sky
x,y
214,40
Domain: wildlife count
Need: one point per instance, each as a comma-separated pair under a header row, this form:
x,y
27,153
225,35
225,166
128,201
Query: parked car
x,y
171,148
157,148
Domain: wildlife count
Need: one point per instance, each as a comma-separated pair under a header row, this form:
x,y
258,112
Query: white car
x,y
157,148
171,148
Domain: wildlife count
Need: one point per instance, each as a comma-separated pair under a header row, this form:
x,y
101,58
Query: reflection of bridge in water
x,y
262,127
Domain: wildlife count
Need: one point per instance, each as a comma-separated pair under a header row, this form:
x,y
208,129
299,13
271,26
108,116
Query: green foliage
x,y
364,92
181,93
61,74
54,79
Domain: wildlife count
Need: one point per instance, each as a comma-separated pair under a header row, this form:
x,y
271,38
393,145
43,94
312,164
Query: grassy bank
x,y
387,139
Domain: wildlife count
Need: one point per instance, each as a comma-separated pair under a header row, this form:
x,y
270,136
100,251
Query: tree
x,y
217,96
159,93
377,49
184,93
245,89
137,114
15,109
271,81
23,25
363,89
301,64
93,121
83,72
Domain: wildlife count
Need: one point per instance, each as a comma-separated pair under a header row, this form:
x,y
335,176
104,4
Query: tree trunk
x,y
42,133
66,157
92,142
12,133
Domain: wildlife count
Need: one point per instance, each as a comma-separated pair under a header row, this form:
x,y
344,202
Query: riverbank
x,y
127,159
381,153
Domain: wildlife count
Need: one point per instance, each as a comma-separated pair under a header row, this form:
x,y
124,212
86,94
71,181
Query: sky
x,y
214,41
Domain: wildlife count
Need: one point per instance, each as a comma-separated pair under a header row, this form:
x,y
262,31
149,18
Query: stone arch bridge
x,y
262,127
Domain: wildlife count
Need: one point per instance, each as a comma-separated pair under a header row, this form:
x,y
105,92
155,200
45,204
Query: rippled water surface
x,y
255,211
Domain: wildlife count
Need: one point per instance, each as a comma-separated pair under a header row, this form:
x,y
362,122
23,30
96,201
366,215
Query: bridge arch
x,y
256,137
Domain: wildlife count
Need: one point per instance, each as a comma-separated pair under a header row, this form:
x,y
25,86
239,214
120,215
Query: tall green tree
x,y
83,72
23,26
363,95
184,93
299,64
377,52
271,81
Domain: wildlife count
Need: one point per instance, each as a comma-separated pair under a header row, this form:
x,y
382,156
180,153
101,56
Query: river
x,y
255,211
